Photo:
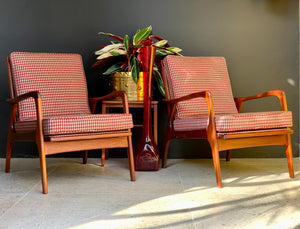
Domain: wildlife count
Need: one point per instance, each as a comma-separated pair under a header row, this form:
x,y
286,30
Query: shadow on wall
x,y
278,7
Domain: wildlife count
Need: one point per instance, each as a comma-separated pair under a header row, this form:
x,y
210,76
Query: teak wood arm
x,y
203,94
115,94
38,104
32,94
278,93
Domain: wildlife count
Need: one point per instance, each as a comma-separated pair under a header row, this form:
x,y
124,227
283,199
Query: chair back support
x,y
59,78
185,75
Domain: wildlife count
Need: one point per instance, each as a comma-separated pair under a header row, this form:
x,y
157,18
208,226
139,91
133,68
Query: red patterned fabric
x,y
74,124
59,78
238,122
194,74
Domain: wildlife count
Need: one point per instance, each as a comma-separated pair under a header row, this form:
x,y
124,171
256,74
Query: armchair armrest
x,y
32,94
38,104
115,94
278,93
203,94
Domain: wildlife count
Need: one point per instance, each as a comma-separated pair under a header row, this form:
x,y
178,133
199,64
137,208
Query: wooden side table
x,y
107,104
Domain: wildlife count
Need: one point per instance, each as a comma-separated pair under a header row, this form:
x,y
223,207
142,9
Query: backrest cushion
x,y
187,75
58,77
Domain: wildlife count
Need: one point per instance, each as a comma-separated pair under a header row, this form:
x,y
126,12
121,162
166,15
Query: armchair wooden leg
x,y
44,174
85,156
103,157
289,156
228,155
8,150
165,154
166,148
8,155
216,159
130,158
43,166
42,155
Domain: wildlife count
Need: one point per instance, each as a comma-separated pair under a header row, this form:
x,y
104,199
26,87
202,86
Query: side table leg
x,y
103,157
104,153
155,124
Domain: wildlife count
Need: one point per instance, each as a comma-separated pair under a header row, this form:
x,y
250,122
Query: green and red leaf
x,y
114,68
126,42
159,82
108,48
135,70
112,36
142,35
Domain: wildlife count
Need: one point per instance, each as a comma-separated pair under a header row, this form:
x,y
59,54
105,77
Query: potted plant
x,y
123,55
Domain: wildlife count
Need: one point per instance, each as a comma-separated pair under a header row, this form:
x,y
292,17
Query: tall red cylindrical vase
x,y
146,155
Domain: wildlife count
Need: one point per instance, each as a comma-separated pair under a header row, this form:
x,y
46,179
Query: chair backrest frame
x,y
10,78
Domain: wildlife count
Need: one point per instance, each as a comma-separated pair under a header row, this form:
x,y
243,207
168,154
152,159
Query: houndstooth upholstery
x,y
61,81
58,77
71,124
238,122
187,75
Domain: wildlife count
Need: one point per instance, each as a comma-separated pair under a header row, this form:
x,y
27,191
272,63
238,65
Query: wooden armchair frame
x,y
64,143
227,142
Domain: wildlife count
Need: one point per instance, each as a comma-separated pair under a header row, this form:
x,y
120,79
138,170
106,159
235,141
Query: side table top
x,y
130,102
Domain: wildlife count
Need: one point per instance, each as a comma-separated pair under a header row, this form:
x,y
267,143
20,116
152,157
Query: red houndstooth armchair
x,y
201,105
50,105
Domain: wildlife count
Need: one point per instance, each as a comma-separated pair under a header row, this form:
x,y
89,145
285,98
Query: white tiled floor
x,y
257,193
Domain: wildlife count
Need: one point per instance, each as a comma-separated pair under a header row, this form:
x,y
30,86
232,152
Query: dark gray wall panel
x,y
259,39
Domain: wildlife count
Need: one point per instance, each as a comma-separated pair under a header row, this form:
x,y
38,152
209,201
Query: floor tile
x,y
257,193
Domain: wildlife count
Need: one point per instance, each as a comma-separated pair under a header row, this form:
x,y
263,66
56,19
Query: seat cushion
x,y
60,79
75,124
238,122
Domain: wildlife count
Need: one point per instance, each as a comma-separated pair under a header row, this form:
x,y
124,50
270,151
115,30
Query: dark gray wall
x,y
259,39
